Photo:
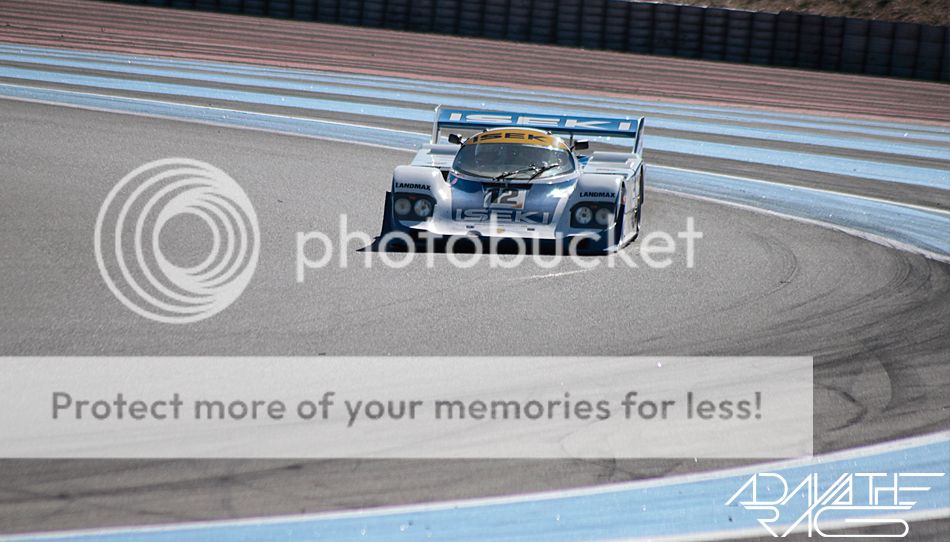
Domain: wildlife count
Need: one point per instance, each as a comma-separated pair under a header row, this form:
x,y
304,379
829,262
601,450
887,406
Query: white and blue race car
x,y
521,176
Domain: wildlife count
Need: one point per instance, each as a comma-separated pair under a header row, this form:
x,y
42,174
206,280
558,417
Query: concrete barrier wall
x,y
784,39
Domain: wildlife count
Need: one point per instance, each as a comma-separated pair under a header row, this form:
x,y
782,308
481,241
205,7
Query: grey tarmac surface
x,y
873,317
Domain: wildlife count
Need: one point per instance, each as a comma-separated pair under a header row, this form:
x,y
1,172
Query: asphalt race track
x,y
873,313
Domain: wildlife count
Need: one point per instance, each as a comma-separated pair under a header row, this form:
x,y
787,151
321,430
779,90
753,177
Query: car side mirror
x,y
455,139
581,145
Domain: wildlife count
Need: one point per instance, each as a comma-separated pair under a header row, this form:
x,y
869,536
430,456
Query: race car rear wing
x,y
567,124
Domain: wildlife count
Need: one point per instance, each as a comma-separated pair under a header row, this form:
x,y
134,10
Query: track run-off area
x,y
824,201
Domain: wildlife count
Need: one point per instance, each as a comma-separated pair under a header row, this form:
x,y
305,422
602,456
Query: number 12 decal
x,y
509,198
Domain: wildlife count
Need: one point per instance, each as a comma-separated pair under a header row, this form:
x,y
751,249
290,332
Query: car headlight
x,y
423,208
402,206
603,216
583,215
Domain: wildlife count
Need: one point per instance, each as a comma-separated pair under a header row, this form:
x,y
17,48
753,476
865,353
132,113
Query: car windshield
x,y
512,161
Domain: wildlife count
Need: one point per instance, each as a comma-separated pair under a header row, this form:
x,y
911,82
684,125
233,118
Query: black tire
x,y
519,20
279,9
616,26
618,225
328,11
636,224
832,36
471,14
254,7
640,188
738,36
373,13
762,39
350,12
543,17
446,19
787,34
640,34
664,29
880,48
421,13
714,33
592,24
854,45
638,214
304,10
225,6
567,24
929,53
621,210
495,15
809,42
689,32
387,215
636,228
396,14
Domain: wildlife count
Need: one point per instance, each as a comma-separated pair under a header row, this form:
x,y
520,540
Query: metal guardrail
x,y
784,39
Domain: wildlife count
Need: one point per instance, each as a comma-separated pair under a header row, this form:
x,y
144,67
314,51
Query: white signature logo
x,y
853,500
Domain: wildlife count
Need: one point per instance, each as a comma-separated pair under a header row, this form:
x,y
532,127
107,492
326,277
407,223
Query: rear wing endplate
x,y
567,124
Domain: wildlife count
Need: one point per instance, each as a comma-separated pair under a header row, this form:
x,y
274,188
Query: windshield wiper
x,y
505,175
537,169
542,169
